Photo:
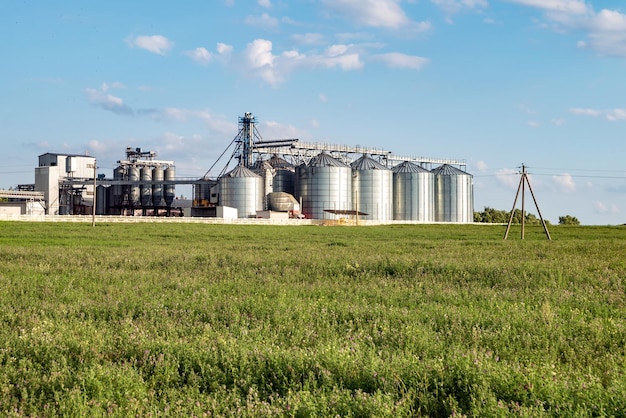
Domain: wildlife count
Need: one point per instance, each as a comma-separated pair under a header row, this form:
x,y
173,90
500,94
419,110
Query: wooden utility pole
x,y
522,182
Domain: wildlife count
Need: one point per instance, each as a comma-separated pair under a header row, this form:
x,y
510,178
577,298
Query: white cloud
x,y
323,98
260,60
455,6
481,166
265,3
533,123
156,43
616,114
612,115
508,178
200,55
264,21
564,183
601,207
273,129
558,122
375,13
173,141
586,112
566,6
224,49
398,60
102,99
215,123
605,30
309,38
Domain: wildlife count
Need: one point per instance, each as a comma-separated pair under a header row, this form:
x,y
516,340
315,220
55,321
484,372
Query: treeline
x,y
491,215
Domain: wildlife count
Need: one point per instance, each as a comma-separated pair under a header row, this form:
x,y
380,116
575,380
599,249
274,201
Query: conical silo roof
x,y
367,163
448,170
280,163
409,167
241,171
325,160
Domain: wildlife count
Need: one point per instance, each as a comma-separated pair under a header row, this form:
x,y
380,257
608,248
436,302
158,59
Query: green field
x,y
227,320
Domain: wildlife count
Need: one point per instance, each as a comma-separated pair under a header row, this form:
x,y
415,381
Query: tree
x,y
568,220
491,215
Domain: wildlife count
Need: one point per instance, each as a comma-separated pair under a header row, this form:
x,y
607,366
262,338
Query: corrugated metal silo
x,y
242,189
170,189
266,171
454,197
324,184
413,193
284,176
372,186
157,188
134,196
146,186
101,199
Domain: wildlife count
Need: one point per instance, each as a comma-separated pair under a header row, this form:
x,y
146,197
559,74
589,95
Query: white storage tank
x,y
133,176
372,187
324,184
284,176
157,188
170,189
454,196
242,189
413,193
146,186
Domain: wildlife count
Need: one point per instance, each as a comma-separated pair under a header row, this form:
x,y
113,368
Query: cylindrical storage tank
x,y
101,199
202,192
284,176
372,188
71,164
146,186
170,189
413,193
454,196
265,170
133,176
242,189
324,184
284,181
118,189
157,188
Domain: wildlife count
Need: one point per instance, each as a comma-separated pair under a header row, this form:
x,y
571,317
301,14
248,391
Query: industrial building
x,y
322,181
273,178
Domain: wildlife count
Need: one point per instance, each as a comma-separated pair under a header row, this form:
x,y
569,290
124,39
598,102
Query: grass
x,y
223,320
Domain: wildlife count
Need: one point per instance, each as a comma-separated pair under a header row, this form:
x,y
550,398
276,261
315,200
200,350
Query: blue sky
x,y
498,83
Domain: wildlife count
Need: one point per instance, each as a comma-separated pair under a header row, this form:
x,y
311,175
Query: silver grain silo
x,y
265,170
242,189
454,197
157,188
146,186
170,189
413,193
133,176
372,187
284,175
101,199
324,184
118,189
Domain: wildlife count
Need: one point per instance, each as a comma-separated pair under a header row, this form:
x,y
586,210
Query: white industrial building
x,y
55,176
